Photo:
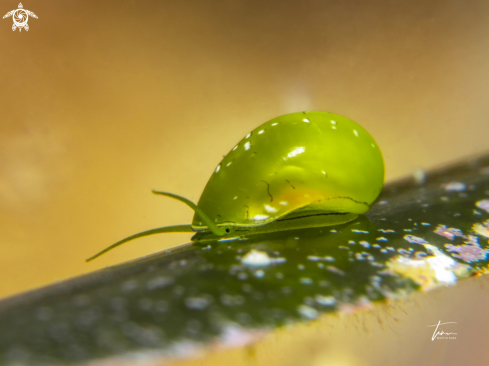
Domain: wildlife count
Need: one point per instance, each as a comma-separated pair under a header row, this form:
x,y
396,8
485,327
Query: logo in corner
x,y
440,334
20,17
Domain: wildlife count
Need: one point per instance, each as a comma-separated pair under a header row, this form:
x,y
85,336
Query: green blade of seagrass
x,y
415,238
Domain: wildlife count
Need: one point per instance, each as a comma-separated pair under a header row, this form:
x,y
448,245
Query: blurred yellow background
x,y
100,102
103,101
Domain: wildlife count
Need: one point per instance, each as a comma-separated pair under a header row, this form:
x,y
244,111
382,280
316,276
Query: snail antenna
x,y
166,229
210,224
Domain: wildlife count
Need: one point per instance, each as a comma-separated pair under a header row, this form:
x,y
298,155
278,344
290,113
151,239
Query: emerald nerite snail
x,y
300,170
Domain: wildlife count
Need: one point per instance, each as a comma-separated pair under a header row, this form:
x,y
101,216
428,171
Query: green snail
x,y
299,170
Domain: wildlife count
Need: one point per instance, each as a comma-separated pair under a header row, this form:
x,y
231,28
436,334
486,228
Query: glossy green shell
x,y
299,162
299,170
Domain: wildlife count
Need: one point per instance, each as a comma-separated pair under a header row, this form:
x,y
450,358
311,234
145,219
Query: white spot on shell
x,y
373,145
306,120
271,209
247,145
260,217
248,136
261,131
333,122
355,132
235,197
284,203
324,172
274,124
296,151
334,127
235,147
218,168
228,164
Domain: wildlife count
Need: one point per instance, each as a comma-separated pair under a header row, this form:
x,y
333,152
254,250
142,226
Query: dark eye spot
x,y
227,231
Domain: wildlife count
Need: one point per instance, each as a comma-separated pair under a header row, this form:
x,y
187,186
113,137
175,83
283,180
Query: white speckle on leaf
x,y
258,258
307,312
482,229
335,270
431,271
454,187
325,300
259,274
365,244
483,204
158,282
326,258
196,303
419,176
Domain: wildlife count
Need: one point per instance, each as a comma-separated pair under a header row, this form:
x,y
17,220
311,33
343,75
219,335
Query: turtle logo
x,y
20,17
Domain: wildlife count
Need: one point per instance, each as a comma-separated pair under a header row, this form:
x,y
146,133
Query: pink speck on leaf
x,y
467,252
414,239
449,233
335,270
